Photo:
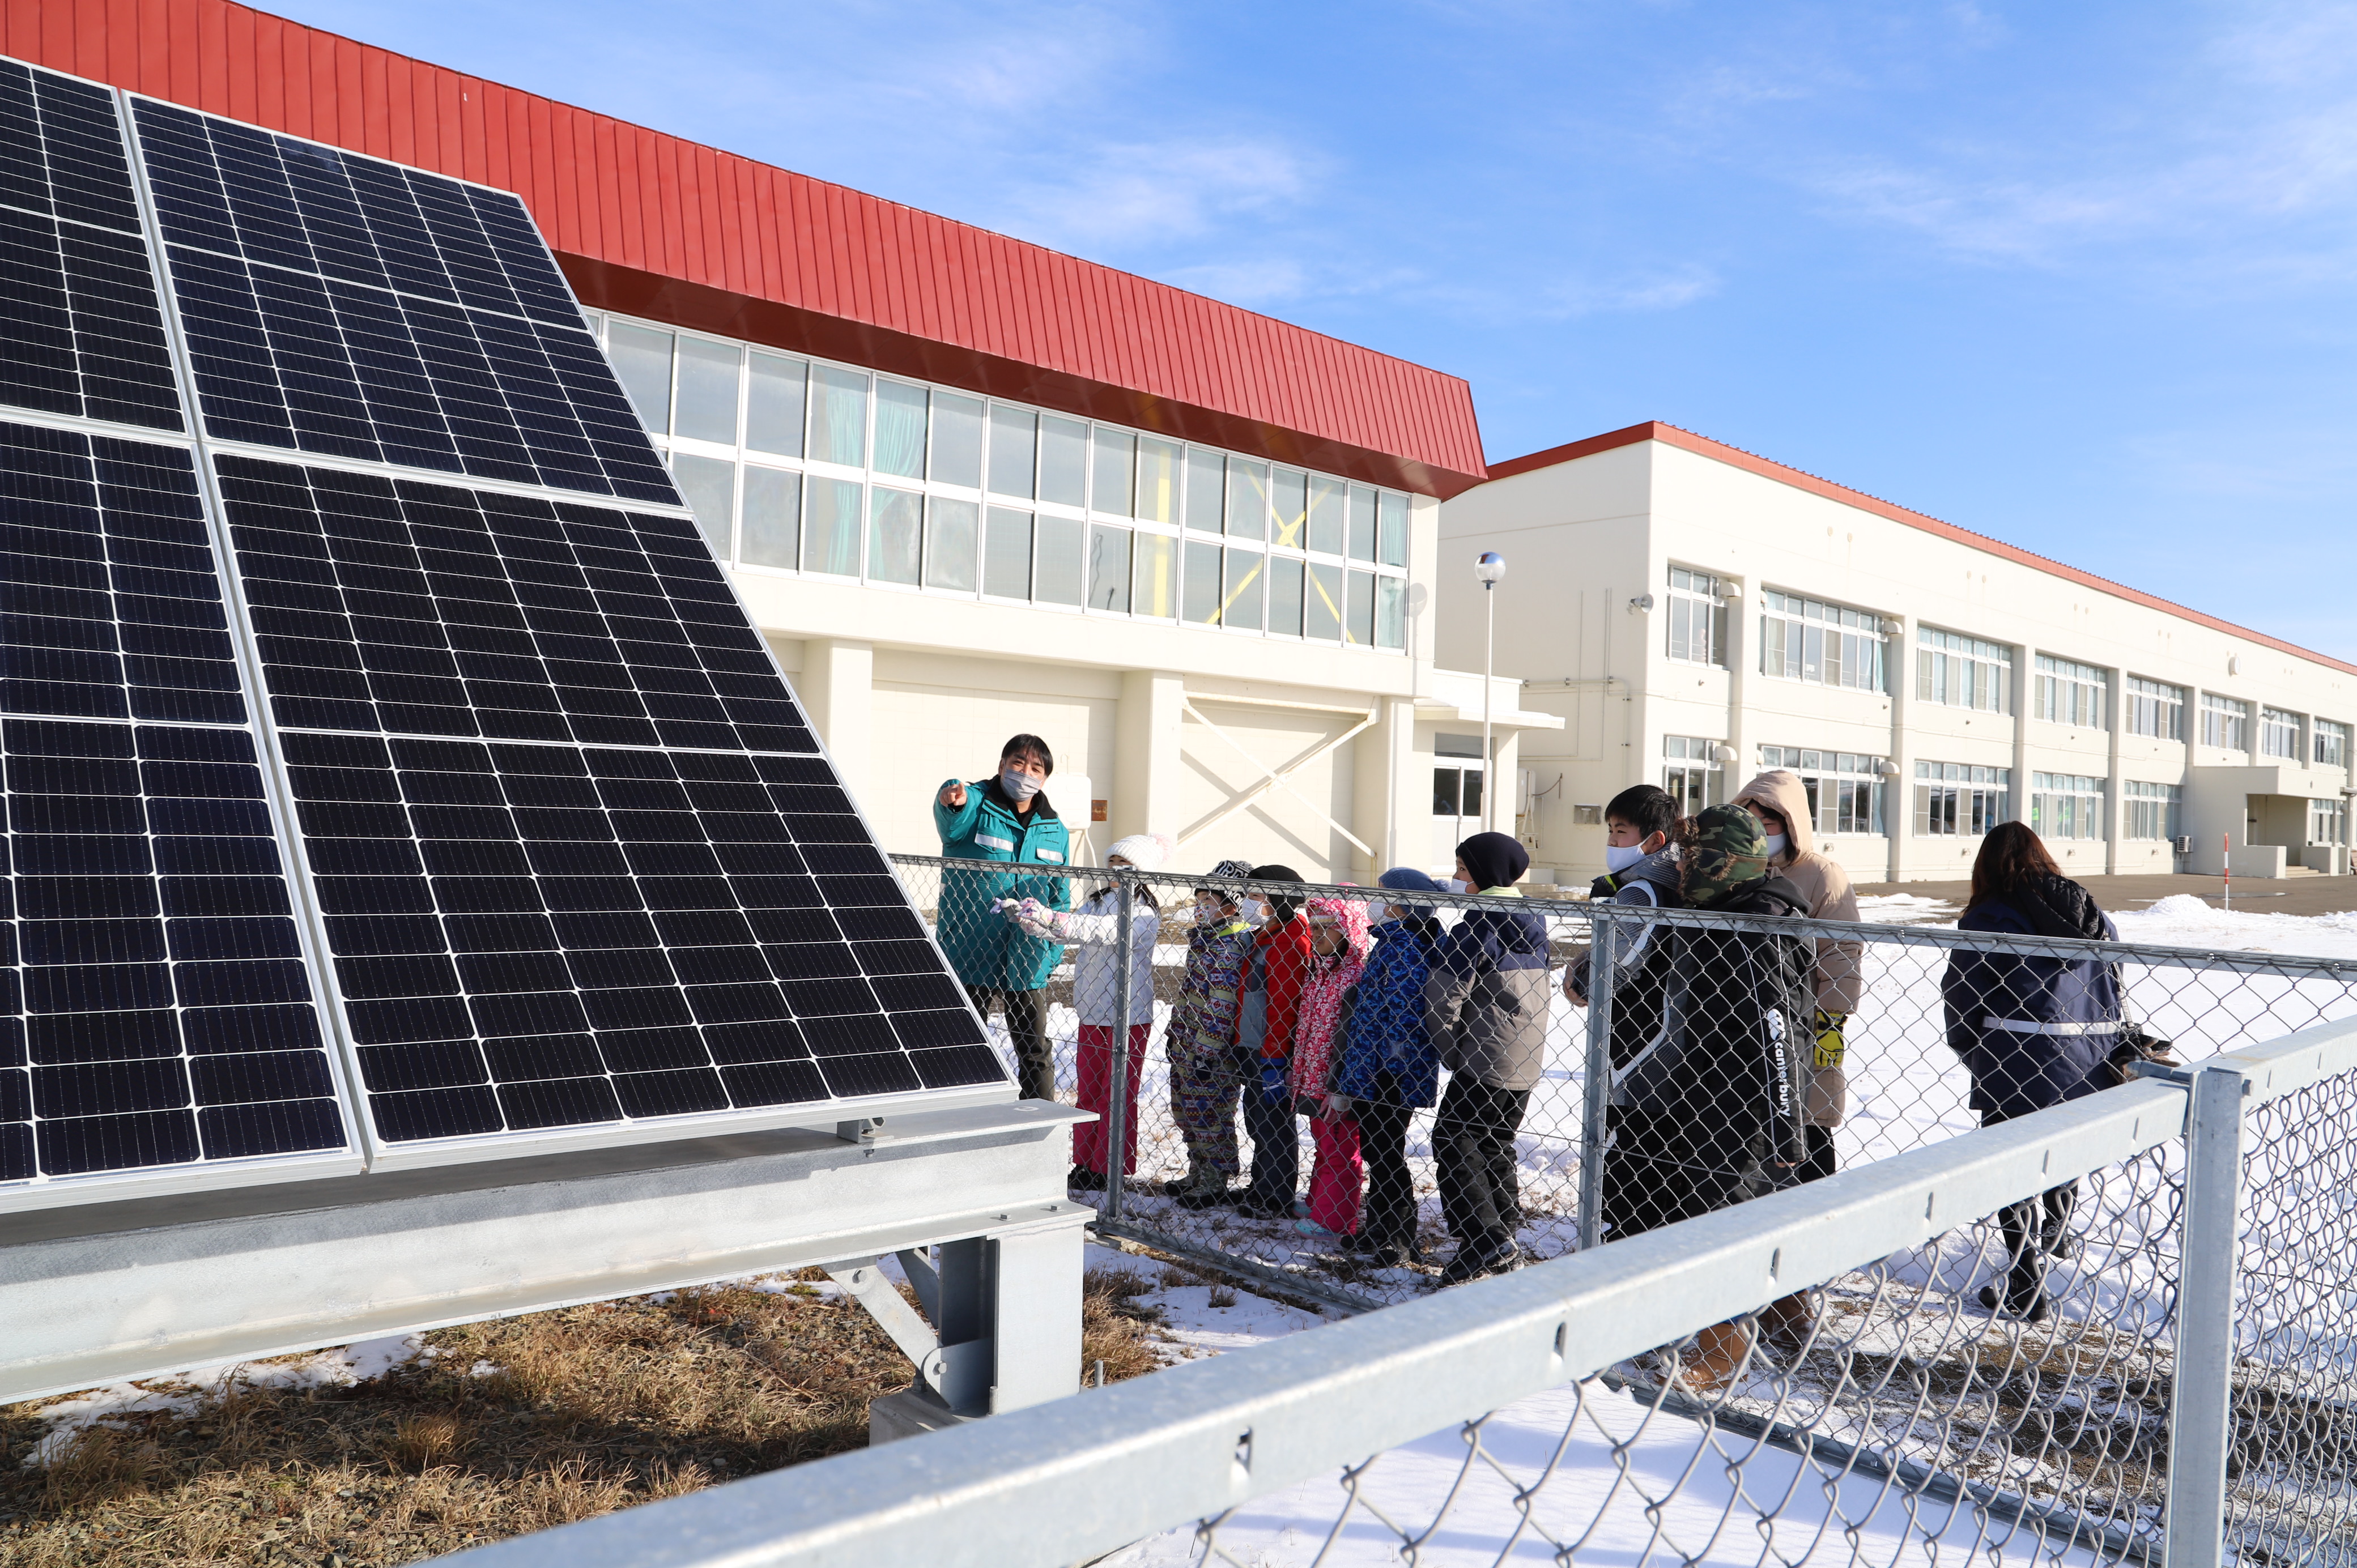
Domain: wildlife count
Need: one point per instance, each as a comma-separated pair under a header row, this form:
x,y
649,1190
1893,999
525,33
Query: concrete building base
x,y
910,1413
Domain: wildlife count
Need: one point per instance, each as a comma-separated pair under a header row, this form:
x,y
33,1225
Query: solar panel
x,y
80,330
155,1007
343,305
453,811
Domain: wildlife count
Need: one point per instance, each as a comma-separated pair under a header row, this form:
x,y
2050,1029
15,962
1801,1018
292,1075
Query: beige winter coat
x,y
1840,972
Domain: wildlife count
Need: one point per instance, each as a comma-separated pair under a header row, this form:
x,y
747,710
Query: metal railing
x,y
1903,1086
1582,1409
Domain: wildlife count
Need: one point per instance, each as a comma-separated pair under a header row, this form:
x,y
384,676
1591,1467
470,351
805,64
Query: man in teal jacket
x,y
1005,818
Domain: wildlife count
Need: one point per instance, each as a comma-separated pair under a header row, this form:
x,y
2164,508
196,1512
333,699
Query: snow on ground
x,y
1619,1456
182,1391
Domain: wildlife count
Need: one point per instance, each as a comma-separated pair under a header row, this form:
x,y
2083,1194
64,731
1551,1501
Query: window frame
x,y
1393,511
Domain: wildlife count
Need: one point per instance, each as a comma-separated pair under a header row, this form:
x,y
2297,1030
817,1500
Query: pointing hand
x,y
952,795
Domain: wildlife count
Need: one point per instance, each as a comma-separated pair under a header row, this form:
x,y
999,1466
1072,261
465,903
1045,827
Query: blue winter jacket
x,y
984,947
2064,1017
1387,1053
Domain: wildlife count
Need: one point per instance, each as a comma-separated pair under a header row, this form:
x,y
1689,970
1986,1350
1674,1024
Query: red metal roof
x,y
651,225
1734,457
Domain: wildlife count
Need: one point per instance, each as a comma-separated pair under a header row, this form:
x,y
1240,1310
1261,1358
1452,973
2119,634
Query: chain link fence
x,y
1808,1377
1238,1160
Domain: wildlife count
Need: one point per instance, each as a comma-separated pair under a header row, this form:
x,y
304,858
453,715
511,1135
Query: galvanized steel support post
x,y
1117,1104
2200,1413
1595,1089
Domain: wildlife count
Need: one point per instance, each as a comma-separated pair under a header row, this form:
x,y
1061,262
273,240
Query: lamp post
x,y
1489,569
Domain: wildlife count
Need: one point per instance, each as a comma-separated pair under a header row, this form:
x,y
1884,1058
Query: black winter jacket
x,y
1717,1058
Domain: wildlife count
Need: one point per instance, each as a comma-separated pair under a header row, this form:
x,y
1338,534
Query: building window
x,y
1806,640
2225,722
1698,619
2155,709
779,457
2328,821
1845,788
1959,671
2066,806
1457,776
1956,799
1691,772
2153,809
2278,734
2331,744
2070,694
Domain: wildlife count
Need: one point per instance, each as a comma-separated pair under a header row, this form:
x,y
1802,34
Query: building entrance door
x,y
1457,784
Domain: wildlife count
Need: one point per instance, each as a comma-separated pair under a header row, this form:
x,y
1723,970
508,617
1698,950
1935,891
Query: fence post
x,y
1595,1089
1117,1108
2202,1407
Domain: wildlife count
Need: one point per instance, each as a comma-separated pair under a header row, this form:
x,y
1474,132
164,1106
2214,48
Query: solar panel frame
x,y
506,232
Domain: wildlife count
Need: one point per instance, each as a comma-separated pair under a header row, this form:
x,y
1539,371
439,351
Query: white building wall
x,y
1584,537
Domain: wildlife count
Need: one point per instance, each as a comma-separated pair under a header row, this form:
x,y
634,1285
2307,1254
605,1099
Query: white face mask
x,y
1450,885
1776,842
1621,857
1253,909
1207,913
1017,783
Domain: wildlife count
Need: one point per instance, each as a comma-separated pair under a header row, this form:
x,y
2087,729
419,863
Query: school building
x,y
1696,613
967,486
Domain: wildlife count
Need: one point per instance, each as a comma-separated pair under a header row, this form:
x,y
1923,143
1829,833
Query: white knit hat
x,y
1144,851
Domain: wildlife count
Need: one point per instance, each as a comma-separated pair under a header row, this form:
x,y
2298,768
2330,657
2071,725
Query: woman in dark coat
x,y
2033,1032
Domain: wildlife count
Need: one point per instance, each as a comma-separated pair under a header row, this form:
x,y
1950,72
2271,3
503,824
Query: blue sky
x,y
2080,277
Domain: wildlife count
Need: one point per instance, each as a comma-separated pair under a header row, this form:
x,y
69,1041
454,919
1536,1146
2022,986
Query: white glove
x,y
1034,918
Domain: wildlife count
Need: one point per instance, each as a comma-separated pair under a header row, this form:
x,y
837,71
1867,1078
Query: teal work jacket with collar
x,y
984,947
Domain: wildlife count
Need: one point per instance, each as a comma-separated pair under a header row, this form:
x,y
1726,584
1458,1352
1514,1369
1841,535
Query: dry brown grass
x,y
593,1409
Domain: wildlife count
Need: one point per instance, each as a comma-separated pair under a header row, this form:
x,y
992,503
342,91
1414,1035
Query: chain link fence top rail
x,y
1240,1161
1664,1400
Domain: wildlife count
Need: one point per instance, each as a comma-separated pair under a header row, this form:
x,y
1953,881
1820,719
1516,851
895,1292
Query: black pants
x,y
1473,1151
1276,1135
2031,1227
1027,1025
1389,1214
1820,1162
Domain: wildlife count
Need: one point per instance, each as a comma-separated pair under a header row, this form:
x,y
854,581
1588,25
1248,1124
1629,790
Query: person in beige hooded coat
x,y
1781,804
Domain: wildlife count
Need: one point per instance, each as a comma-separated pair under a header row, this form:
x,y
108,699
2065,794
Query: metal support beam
x,y
105,1291
2201,1415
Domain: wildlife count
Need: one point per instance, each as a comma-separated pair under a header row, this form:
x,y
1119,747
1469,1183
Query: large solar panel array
x,y
575,862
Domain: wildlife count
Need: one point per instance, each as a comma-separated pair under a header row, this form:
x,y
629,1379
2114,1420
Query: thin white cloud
x,y
1134,193
2242,160
1667,289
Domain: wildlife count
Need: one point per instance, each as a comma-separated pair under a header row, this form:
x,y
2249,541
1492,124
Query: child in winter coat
x,y
1486,1003
1202,1037
1338,954
1094,930
1269,1011
1387,1066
